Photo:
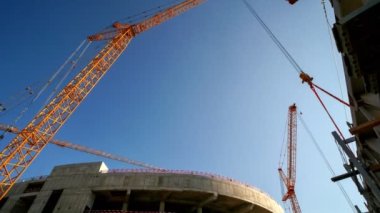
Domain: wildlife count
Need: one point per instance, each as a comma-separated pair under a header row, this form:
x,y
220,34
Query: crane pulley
x,y
17,156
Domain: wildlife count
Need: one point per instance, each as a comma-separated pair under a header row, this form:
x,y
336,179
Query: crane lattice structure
x,y
289,180
17,156
81,148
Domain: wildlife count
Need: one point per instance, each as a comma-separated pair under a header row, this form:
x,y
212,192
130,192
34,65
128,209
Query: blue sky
x,y
205,91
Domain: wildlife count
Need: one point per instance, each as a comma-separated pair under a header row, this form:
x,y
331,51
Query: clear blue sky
x,y
206,91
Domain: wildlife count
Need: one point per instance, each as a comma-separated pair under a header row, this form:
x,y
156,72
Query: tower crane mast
x,y
289,180
17,156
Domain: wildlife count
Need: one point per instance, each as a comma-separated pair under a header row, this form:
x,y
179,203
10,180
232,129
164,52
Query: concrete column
x,y
9,205
40,201
126,200
162,206
244,208
125,207
210,199
73,200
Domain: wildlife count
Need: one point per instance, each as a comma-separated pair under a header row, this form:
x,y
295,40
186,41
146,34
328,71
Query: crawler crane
x,y
289,180
17,156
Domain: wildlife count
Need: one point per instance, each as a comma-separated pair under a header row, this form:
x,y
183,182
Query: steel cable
x,y
73,66
148,12
327,163
274,39
329,26
49,82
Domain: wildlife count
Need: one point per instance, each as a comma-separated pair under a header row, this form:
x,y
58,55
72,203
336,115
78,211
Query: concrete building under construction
x,y
92,187
357,36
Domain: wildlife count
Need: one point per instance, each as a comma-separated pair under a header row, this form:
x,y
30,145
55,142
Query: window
x,y
52,202
23,204
34,187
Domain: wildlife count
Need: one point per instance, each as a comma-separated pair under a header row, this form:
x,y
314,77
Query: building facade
x,y
92,187
357,35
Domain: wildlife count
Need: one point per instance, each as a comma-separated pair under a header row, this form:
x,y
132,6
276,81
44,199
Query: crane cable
x,y
305,77
328,165
57,72
18,99
329,26
274,39
140,16
49,82
76,147
283,152
334,123
149,12
46,85
73,66
87,150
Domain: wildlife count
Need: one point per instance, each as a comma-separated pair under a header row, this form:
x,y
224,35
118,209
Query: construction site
x,y
189,115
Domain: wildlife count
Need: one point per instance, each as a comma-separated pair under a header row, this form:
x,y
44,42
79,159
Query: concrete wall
x,y
80,181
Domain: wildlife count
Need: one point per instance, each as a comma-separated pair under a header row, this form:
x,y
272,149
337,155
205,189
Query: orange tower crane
x,y
17,156
289,180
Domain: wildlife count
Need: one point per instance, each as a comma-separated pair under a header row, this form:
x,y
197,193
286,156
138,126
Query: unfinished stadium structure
x,y
93,188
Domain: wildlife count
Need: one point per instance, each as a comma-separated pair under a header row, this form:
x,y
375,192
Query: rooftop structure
x,y
92,187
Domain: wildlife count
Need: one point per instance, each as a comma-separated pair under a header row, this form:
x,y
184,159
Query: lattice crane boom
x,y
285,181
17,156
81,148
65,144
292,144
294,203
148,23
289,180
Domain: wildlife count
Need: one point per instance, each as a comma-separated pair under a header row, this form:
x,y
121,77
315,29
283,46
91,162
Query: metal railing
x,y
164,171
42,177
184,172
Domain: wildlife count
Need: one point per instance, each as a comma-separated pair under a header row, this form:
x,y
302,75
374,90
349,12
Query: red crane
x,y
289,180
17,156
